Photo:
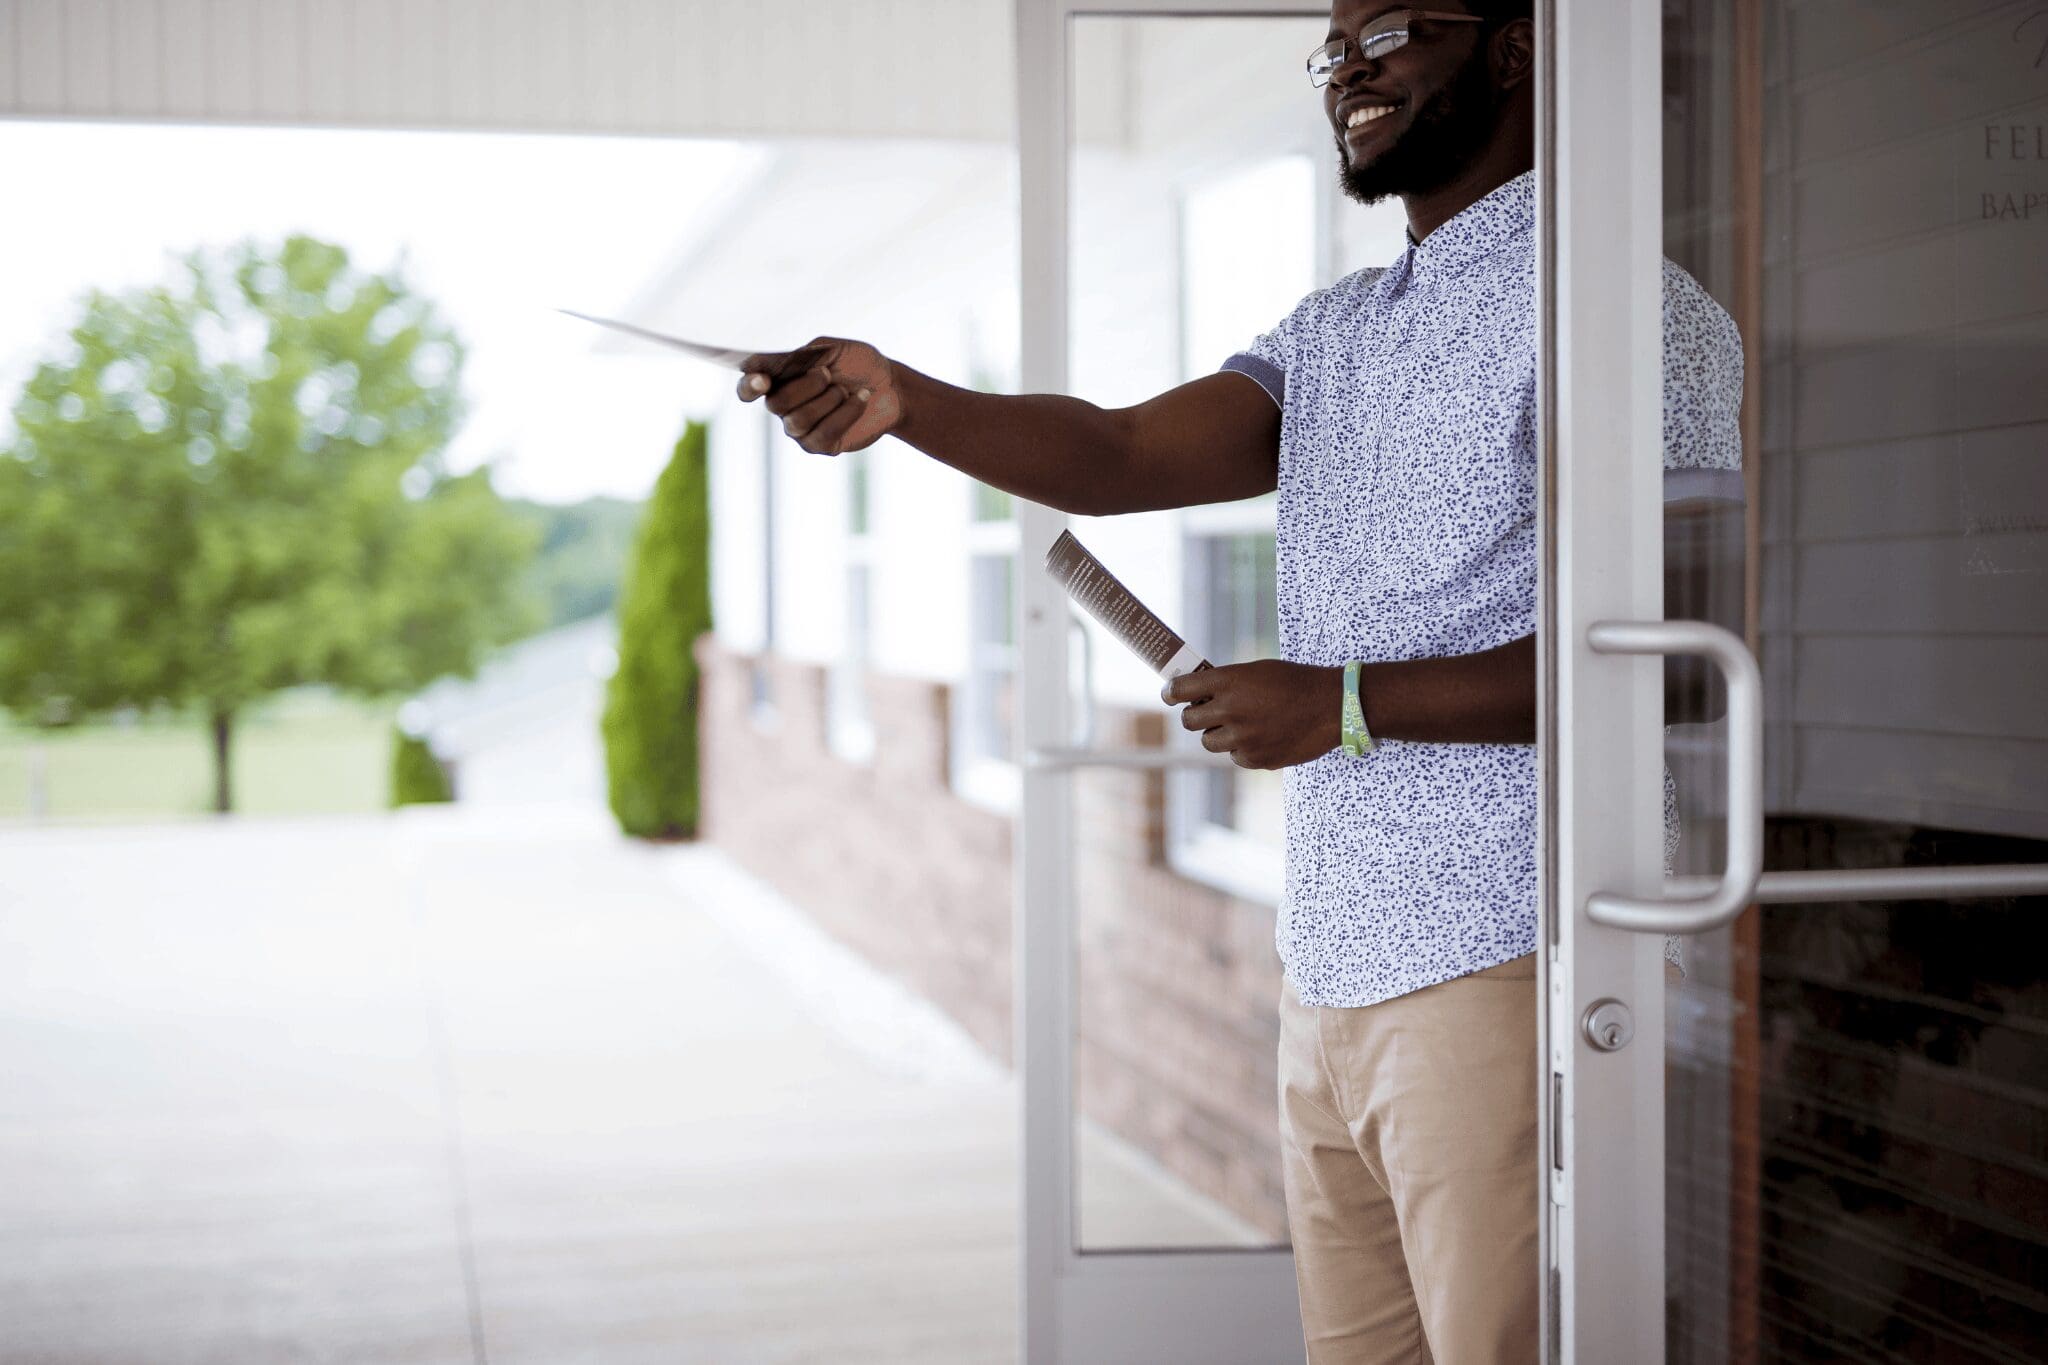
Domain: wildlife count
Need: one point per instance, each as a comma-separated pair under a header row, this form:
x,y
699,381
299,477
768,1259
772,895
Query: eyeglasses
x,y
1388,33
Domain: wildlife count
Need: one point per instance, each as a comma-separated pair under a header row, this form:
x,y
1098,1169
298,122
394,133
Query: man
x,y
1395,413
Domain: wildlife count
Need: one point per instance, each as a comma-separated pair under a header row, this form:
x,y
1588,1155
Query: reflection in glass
x,y
1858,1092
1236,573
992,661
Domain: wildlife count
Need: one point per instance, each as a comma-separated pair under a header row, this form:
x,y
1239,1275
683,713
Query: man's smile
x,y
1366,113
1364,120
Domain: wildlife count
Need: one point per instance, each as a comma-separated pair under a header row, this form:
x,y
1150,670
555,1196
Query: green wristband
x,y
1358,740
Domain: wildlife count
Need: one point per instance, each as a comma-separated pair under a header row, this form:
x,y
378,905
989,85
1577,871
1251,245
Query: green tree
x,y
650,714
232,484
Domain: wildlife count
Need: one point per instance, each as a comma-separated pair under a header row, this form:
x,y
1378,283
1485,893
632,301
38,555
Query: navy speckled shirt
x,y
1407,529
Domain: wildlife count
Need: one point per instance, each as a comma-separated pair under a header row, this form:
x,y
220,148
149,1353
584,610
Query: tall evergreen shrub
x,y
650,714
417,777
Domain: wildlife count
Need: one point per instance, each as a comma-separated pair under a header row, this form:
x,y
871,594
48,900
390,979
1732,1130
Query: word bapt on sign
x,y
2014,207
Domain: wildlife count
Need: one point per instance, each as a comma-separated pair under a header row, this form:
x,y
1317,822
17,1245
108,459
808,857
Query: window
x,y
849,721
992,504
984,764
1249,252
856,493
1226,824
760,679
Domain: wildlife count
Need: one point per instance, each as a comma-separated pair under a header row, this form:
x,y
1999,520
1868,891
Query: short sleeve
x,y
1702,394
1272,354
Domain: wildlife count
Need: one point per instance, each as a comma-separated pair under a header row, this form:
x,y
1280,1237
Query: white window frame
x,y
979,776
1240,865
849,725
762,708
1198,848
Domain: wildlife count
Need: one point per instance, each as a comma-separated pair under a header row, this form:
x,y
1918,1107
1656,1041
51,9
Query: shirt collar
x,y
1490,221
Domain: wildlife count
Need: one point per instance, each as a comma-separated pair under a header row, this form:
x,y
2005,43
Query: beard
x,y
1450,130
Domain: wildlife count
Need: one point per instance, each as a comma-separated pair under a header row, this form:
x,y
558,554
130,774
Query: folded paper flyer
x,y
1121,613
785,363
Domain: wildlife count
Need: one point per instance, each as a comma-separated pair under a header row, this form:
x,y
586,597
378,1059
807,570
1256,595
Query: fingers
x,y
799,420
1219,734
1229,739
817,411
756,383
828,437
820,425
785,398
766,372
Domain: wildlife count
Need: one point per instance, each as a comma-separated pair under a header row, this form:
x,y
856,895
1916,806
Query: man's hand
x,y
847,401
1268,714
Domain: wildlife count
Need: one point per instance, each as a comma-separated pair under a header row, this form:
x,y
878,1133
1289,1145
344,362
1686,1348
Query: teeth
x,y
1367,114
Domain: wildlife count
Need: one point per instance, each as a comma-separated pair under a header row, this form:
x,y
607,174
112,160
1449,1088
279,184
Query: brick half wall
x,y
1177,982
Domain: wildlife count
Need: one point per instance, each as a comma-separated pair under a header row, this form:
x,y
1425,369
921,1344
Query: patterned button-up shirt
x,y
1407,529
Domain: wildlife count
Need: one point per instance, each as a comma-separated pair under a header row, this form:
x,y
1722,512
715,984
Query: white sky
x,y
499,229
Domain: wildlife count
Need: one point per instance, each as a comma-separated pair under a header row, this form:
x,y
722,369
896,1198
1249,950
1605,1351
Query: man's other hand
x,y
1268,714
846,400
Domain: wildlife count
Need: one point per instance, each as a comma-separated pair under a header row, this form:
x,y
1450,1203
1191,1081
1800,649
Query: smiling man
x,y
1395,413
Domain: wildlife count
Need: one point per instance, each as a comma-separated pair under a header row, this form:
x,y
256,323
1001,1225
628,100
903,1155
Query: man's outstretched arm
x,y
1214,439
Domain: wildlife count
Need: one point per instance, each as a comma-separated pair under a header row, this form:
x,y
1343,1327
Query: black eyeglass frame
x,y
1343,44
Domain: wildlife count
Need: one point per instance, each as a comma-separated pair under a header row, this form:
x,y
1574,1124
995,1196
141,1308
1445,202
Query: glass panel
x,y
992,504
993,661
853,731
1176,1135
1858,1092
1200,215
857,485
1237,612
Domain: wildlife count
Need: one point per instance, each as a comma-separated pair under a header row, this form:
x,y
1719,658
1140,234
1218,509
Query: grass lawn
x,y
302,754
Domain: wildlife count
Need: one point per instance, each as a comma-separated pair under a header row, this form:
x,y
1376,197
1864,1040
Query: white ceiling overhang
x,y
690,68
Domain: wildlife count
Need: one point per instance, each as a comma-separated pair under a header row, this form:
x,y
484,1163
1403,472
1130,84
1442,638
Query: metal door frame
x,y
1600,703
1598,305
1190,1307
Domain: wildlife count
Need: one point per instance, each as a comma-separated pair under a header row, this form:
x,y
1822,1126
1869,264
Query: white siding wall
x,y
810,550
738,523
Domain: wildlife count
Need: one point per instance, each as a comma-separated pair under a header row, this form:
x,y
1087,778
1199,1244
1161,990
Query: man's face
x,y
1411,121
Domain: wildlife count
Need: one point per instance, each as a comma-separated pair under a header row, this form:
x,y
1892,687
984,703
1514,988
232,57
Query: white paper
x,y
717,355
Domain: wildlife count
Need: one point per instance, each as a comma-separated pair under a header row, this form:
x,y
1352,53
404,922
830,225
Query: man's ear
x,y
1514,54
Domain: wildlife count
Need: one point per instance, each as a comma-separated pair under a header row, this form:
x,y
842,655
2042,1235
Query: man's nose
x,y
1354,67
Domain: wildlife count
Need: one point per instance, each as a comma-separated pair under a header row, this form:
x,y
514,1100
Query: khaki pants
x,y
1408,1129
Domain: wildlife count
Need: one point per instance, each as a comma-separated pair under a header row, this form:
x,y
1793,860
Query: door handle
x,y
1085,737
1725,899
1950,882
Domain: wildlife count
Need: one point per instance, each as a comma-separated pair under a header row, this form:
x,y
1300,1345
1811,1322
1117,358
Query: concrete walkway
x,y
466,1087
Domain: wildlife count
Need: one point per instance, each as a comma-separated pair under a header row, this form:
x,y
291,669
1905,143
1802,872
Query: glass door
x,y
1176,203
1818,1134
